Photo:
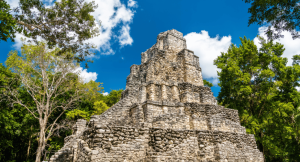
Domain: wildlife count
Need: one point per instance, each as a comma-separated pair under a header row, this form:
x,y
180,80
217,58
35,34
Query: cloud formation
x,y
132,3
87,76
292,47
13,3
208,49
115,19
113,16
125,38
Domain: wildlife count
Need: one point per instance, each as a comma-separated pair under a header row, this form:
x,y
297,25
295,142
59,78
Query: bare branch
x,y
17,100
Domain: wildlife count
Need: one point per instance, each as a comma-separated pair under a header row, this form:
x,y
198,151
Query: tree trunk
x,y
29,144
41,143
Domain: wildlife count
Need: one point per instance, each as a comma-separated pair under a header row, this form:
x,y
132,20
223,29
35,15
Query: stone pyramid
x,y
165,114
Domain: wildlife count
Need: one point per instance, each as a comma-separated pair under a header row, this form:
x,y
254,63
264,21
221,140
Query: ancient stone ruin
x,y
165,114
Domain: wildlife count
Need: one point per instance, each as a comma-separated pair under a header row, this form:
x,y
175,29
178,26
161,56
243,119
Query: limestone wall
x,y
117,143
104,144
227,146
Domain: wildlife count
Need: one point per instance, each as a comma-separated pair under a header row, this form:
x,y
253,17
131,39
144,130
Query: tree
x,y
52,84
7,24
113,97
283,15
207,83
66,25
262,88
17,126
94,104
98,108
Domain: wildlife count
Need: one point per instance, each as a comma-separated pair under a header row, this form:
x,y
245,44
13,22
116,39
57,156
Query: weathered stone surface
x,y
165,114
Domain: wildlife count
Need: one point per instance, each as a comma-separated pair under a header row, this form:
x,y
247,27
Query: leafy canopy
x,y
94,104
262,88
283,15
7,23
15,123
98,108
207,83
67,24
113,97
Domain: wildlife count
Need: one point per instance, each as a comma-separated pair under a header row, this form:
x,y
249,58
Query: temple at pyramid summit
x,y
166,114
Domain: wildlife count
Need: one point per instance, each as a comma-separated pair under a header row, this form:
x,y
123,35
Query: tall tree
x,y
262,88
52,84
66,24
283,15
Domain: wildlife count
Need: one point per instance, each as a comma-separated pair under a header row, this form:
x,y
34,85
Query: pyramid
x,y
165,114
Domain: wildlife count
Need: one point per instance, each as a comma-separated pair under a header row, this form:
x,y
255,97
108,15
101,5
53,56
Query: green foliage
x,y
261,87
7,23
18,126
66,24
94,104
113,97
51,85
99,108
57,142
281,14
207,83
78,114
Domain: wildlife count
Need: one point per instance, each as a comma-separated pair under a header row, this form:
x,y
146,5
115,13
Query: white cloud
x,y
18,42
125,38
292,47
105,93
114,16
13,3
214,81
132,3
86,76
207,49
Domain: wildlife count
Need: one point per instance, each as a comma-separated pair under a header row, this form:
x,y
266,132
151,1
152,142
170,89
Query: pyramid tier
x,y
101,143
165,114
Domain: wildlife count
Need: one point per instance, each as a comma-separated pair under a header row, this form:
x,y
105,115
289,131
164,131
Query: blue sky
x,y
130,27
